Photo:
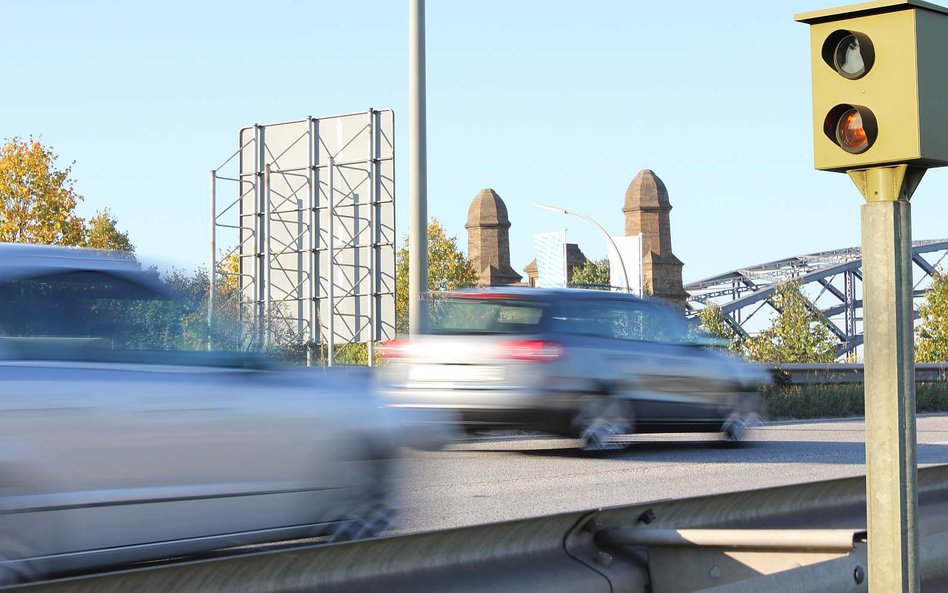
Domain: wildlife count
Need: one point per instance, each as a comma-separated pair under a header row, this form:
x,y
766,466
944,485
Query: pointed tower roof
x,y
646,192
487,210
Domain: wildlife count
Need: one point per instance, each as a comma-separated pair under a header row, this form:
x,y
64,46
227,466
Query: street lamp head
x,y
552,208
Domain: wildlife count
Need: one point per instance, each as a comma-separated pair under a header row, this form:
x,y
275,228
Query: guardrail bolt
x,y
603,559
859,575
646,517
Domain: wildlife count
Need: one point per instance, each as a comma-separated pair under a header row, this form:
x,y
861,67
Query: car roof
x,y
18,261
546,293
18,256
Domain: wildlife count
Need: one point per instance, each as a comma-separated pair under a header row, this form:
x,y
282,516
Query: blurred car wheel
x,y
370,521
374,515
735,429
14,570
602,421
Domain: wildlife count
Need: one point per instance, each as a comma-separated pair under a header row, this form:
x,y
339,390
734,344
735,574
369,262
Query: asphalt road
x,y
500,479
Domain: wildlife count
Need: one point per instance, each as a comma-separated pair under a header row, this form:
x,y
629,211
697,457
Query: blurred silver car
x,y
589,364
117,444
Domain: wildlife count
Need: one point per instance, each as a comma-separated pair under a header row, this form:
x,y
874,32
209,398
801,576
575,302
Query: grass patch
x,y
801,402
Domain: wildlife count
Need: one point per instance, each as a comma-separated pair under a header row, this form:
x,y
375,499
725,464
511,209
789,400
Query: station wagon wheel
x,y
373,515
602,421
735,429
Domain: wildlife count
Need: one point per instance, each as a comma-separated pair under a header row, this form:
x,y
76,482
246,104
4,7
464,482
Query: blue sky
x,y
554,101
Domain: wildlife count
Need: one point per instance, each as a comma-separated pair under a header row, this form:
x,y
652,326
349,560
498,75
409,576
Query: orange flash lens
x,y
850,131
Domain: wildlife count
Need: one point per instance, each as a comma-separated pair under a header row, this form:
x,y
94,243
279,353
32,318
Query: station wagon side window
x,y
643,321
67,315
595,318
619,319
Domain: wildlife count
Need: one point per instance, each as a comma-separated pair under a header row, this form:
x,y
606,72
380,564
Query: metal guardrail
x,y
806,537
833,373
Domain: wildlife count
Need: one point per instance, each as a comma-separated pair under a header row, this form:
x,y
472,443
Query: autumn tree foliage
x,y
448,269
101,232
931,337
38,202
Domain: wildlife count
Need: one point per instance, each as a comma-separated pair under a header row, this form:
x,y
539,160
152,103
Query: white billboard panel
x,y
627,258
317,227
550,250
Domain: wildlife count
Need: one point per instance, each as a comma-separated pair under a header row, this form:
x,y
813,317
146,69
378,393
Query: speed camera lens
x,y
849,58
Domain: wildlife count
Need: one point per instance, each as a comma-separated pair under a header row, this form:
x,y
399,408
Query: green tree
x,y
448,269
38,202
931,342
593,274
796,335
714,322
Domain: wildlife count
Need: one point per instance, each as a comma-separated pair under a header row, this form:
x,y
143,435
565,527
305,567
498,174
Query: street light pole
x,y
417,166
586,217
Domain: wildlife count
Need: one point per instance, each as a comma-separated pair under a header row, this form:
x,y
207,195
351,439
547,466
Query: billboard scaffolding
x,y
309,240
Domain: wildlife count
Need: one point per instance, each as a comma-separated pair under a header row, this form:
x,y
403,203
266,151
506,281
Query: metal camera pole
x,y
417,166
891,474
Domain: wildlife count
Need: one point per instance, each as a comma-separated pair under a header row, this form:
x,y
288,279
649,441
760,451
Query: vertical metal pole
x,y
260,232
212,261
565,259
267,264
641,265
313,245
331,346
417,166
849,285
301,264
891,473
373,240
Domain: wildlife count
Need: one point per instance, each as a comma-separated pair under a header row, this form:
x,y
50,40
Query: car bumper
x,y
474,409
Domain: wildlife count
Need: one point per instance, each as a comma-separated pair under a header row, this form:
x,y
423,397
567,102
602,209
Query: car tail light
x,y
534,350
395,349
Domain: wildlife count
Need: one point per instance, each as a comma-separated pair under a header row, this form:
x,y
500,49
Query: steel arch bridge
x,y
831,282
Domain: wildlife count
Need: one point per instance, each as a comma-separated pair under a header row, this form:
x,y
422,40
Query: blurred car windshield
x,y
483,314
72,314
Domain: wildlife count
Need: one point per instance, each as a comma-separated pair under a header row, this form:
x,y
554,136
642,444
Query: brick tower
x,y
488,240
646,211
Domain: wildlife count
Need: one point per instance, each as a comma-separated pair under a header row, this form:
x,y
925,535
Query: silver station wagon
x,y
594,365
118,443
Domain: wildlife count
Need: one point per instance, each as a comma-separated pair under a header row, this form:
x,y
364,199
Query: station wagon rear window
x,y
485,314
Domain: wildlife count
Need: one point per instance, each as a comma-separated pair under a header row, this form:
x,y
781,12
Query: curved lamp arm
x,y
625,274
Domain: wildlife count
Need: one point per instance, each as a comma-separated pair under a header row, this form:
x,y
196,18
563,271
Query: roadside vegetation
x,y
798,334
801,402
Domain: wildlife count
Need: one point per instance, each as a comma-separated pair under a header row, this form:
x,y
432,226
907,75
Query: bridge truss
x,y
831,282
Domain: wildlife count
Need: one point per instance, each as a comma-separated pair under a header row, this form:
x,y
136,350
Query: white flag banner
x,y
551,259
628,257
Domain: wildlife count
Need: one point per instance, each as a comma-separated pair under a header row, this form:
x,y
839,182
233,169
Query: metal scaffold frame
x,y
312,233
831,282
